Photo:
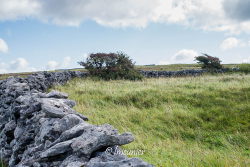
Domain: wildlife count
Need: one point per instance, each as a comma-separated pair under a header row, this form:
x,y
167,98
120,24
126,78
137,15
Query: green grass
x,y
245,68
202,121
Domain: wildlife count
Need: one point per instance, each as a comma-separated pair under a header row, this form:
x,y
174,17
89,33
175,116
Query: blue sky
x,y
47,38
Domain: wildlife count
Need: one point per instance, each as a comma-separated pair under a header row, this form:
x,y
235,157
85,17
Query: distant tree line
x,y
112,66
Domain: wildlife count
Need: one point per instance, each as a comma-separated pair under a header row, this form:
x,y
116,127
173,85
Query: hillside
x,y
201,121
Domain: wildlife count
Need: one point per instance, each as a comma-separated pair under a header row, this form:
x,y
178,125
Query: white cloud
x,y
3,67
3,46
17,65
18,9
52,65
22,65
163,62
66,62
232,42
246,60
205,14
184,56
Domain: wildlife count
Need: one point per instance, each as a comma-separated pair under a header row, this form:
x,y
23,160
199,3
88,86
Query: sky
x,y
56,34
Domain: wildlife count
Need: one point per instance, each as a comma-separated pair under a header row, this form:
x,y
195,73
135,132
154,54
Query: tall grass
x,y
202,121
245,68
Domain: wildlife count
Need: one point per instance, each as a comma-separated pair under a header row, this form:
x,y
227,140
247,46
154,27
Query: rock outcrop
x,y
39,129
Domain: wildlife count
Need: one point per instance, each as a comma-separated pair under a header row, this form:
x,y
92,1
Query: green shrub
x,y
245,68
111,66
208,62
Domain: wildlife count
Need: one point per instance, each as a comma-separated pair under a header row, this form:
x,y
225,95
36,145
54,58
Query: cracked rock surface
x,y
39,129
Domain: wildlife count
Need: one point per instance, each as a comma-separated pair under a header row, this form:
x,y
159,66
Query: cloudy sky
x,y
50,34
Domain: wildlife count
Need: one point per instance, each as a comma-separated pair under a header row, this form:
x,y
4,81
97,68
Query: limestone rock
x,y
56,94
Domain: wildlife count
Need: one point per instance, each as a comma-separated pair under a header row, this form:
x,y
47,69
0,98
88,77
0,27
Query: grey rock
x,y
73,161
57,149
75,131
23,99
98,137
56,94
53,112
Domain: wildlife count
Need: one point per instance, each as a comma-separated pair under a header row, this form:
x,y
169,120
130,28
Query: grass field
x,y
202,121
24,74
171,67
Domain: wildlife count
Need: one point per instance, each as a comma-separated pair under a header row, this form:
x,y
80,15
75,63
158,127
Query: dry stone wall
x,y
193,72
39,129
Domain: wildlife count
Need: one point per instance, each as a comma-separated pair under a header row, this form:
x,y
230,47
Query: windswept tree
x,y
111,66
208,62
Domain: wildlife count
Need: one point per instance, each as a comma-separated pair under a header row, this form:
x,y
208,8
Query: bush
x,y
245,68
110,66
209,62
